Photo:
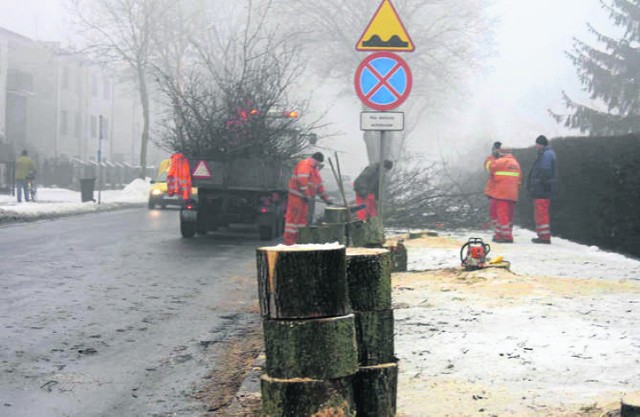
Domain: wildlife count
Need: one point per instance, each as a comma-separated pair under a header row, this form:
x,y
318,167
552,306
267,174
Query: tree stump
x,y
307,397
630,406
318,348
375,390
374,336
399,257
335,215
369,278
366,234
302,281
324,233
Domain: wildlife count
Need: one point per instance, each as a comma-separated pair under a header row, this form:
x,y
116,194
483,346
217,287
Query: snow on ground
x,y
553,337
54,202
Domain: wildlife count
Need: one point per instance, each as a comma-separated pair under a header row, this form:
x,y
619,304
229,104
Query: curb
x,y
10,217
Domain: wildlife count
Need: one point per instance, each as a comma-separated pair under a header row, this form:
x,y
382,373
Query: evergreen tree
x,y
610,73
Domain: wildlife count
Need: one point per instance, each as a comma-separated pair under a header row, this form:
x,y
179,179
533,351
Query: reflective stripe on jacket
x,y
306,181
507,175
179,176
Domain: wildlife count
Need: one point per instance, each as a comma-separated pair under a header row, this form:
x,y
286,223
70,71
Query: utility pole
x,y
100,160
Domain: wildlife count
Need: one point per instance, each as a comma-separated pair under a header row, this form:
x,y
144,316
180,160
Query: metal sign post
x,y
100,160
381,196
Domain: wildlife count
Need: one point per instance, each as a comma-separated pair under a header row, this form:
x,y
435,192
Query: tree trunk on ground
x,y
324,233
374,336
307,397
630,405
302,283
375,390
317,349
369,277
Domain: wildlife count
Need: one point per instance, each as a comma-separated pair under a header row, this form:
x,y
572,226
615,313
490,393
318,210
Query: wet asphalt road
x,y
114,314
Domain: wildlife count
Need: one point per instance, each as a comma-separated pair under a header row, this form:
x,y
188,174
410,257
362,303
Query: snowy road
x,y
115,314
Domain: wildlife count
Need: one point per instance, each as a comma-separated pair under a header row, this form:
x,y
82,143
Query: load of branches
x,y
228,97
427,195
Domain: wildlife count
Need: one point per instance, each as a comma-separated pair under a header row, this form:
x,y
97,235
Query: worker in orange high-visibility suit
x,y
304,185
507,176
366,186
489,189
542,185
179,177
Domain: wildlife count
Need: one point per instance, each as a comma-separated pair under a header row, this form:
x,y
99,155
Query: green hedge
x,y
599,198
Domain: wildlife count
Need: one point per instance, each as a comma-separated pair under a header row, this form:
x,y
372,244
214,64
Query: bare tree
x,y
122,32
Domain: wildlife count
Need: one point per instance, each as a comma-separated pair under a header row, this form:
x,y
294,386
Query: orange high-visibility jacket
x,y
490,188
306,180
507,175
179,176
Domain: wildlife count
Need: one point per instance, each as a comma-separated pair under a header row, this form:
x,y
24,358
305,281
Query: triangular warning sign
x,y
385,32
202,170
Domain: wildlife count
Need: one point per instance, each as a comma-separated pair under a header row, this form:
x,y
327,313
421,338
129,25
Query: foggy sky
x,y
508,102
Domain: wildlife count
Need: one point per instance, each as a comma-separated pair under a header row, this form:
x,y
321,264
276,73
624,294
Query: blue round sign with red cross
x,y
383,81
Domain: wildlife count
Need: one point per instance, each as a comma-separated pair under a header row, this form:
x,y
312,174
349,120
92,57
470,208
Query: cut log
x,y
369,277
307,397
374,337
302,281
335,215
375,390
323,233
630,405
366,234
399,257
317,349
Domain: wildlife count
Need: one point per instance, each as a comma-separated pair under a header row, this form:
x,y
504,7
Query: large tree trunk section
x,y
324,233
375,390
302,282
630,405
369,277
399,257
335,215
317,349
374,336
366,234
307,397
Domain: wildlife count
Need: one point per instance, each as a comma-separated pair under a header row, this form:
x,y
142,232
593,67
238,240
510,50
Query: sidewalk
x,y
58,202
557,335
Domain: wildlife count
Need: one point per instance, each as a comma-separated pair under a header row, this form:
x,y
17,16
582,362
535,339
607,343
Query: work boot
x,y
502,239
540,240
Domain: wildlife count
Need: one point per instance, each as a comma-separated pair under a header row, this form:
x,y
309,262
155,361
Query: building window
x,y
94,127
106,93
64,126
105,128
94,85
78,125
65,78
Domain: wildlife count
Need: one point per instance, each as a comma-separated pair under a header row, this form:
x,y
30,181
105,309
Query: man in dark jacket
x,y
542,185
367,186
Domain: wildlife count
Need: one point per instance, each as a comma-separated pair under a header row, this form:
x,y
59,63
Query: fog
x,y
505,99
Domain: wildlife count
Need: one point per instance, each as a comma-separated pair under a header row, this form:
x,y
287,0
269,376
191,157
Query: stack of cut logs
x,y
369,277
337,228
309,333
321,360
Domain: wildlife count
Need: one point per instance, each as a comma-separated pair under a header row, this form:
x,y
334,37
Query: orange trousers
x,y
505,211
541,218
295,218
371,208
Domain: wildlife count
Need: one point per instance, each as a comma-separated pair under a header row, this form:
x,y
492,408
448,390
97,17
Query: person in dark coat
x,y
542,185
367,186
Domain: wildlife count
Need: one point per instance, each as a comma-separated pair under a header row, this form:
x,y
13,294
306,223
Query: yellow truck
x,y
158,191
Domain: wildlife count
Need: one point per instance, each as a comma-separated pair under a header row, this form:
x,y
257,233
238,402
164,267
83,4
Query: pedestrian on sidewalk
x,y
24,168
366,187
489,189
507,176
542,185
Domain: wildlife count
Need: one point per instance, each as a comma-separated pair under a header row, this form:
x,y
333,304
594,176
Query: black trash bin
x,y
86,189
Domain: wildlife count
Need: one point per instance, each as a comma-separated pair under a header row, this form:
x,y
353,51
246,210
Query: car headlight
x,y
156,192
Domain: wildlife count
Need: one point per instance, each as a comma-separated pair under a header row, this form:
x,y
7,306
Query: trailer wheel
x,y
187,229
266,232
